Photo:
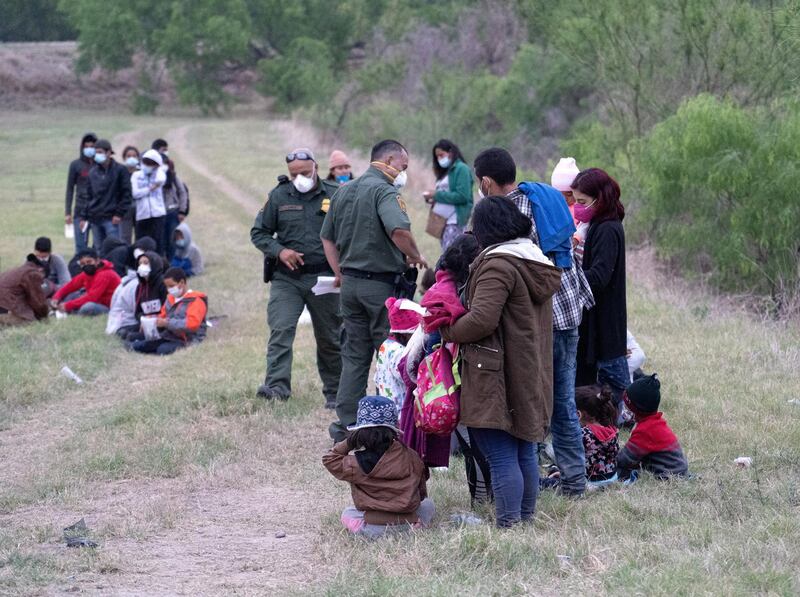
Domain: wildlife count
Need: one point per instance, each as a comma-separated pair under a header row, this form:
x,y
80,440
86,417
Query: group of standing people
x,y
140,195
541,303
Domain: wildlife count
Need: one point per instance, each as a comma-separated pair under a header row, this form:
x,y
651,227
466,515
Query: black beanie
x,y
645,394
43,244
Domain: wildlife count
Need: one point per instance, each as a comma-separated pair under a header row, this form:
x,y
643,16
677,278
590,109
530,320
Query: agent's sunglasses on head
x,y
299,155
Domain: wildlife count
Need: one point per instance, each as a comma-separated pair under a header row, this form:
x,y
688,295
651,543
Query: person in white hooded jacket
x,y
122,312
147,187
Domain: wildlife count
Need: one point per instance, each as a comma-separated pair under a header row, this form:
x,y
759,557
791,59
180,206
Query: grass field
x,y
184,477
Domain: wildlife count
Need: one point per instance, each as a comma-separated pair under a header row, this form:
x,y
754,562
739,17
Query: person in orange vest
x,y
182,321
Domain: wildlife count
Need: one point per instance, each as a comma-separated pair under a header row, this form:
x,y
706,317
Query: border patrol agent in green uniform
x,y
287,232
367,239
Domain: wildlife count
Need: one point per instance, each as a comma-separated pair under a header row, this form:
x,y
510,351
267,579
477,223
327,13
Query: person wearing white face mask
x,y
147,188
182,319
368,242
287,231
131,159
109,196
77,189
451,200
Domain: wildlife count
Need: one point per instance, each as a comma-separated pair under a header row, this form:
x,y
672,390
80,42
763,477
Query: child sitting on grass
x,y
598,416
402,324
652,446
387,479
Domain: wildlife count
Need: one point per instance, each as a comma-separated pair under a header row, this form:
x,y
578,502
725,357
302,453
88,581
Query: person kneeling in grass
x,y
652,446
182,320
387,478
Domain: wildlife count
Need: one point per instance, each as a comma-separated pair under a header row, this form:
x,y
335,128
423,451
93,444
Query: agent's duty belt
x,y
385,277
308,268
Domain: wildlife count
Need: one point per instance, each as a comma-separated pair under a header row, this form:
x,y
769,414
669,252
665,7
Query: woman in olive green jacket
x,y
452,198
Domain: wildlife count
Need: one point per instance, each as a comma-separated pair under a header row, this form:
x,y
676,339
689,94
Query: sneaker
x,y
269,394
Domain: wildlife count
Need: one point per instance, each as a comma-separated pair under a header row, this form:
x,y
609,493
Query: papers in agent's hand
x,y
325,285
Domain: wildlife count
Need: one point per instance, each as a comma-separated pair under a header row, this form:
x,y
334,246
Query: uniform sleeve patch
x,y
402,204
326,205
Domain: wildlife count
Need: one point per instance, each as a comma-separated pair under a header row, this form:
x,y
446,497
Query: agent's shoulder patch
x,y
402,204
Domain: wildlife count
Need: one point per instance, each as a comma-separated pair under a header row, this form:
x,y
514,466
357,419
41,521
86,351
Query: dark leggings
x,y
159,347
154,228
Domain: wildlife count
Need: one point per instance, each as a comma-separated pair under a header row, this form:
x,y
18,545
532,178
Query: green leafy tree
x,y
34,20
197,39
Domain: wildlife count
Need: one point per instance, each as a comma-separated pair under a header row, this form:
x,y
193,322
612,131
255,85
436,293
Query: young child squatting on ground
x,y
387,479
652,446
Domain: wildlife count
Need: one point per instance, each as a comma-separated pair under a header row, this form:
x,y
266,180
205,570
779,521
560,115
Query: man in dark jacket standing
x,y
109,194
77,189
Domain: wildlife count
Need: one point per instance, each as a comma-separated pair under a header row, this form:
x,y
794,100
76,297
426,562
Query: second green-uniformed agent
x,y
367,239
287,230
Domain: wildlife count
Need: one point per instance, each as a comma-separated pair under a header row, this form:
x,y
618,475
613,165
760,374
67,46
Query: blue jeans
x,y
514,467
92,309
81,238
102,230
615,373
564,424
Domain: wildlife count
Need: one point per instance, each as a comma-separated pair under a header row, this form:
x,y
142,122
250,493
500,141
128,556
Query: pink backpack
x,y
436,405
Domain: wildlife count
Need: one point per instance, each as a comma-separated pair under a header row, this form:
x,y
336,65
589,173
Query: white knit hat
x,y
564,173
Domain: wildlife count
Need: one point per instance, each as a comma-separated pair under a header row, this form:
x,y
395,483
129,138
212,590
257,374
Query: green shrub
x,y
721,184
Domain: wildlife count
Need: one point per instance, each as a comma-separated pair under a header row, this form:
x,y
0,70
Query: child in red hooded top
x,y
652,445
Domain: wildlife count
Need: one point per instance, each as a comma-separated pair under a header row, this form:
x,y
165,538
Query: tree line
x,y
690,103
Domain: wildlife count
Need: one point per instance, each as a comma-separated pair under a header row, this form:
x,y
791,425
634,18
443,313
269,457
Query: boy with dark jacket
x,y
652,445
78,189
109,196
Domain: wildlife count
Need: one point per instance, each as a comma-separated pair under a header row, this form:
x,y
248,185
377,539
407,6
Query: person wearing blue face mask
x,y
109,196
339,168
147,186
451,200
77,189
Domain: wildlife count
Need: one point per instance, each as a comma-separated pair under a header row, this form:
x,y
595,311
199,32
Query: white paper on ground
x,y
325,285
69,231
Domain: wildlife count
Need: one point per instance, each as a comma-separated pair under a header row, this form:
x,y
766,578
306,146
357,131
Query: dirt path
x,y
201,533
178,142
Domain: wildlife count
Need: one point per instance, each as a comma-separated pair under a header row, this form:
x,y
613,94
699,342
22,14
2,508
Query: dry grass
x,y
184,477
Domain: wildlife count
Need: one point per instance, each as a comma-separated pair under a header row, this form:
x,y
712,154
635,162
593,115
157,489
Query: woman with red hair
x,y
603,332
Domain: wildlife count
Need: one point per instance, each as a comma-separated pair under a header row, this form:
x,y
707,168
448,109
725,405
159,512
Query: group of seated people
x,y
150,306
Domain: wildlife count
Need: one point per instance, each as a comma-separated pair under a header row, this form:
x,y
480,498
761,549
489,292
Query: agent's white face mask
x,y
143,270
401,180
303,184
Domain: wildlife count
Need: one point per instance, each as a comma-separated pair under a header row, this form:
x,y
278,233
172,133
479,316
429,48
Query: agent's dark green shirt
x,y
290,220
363,214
